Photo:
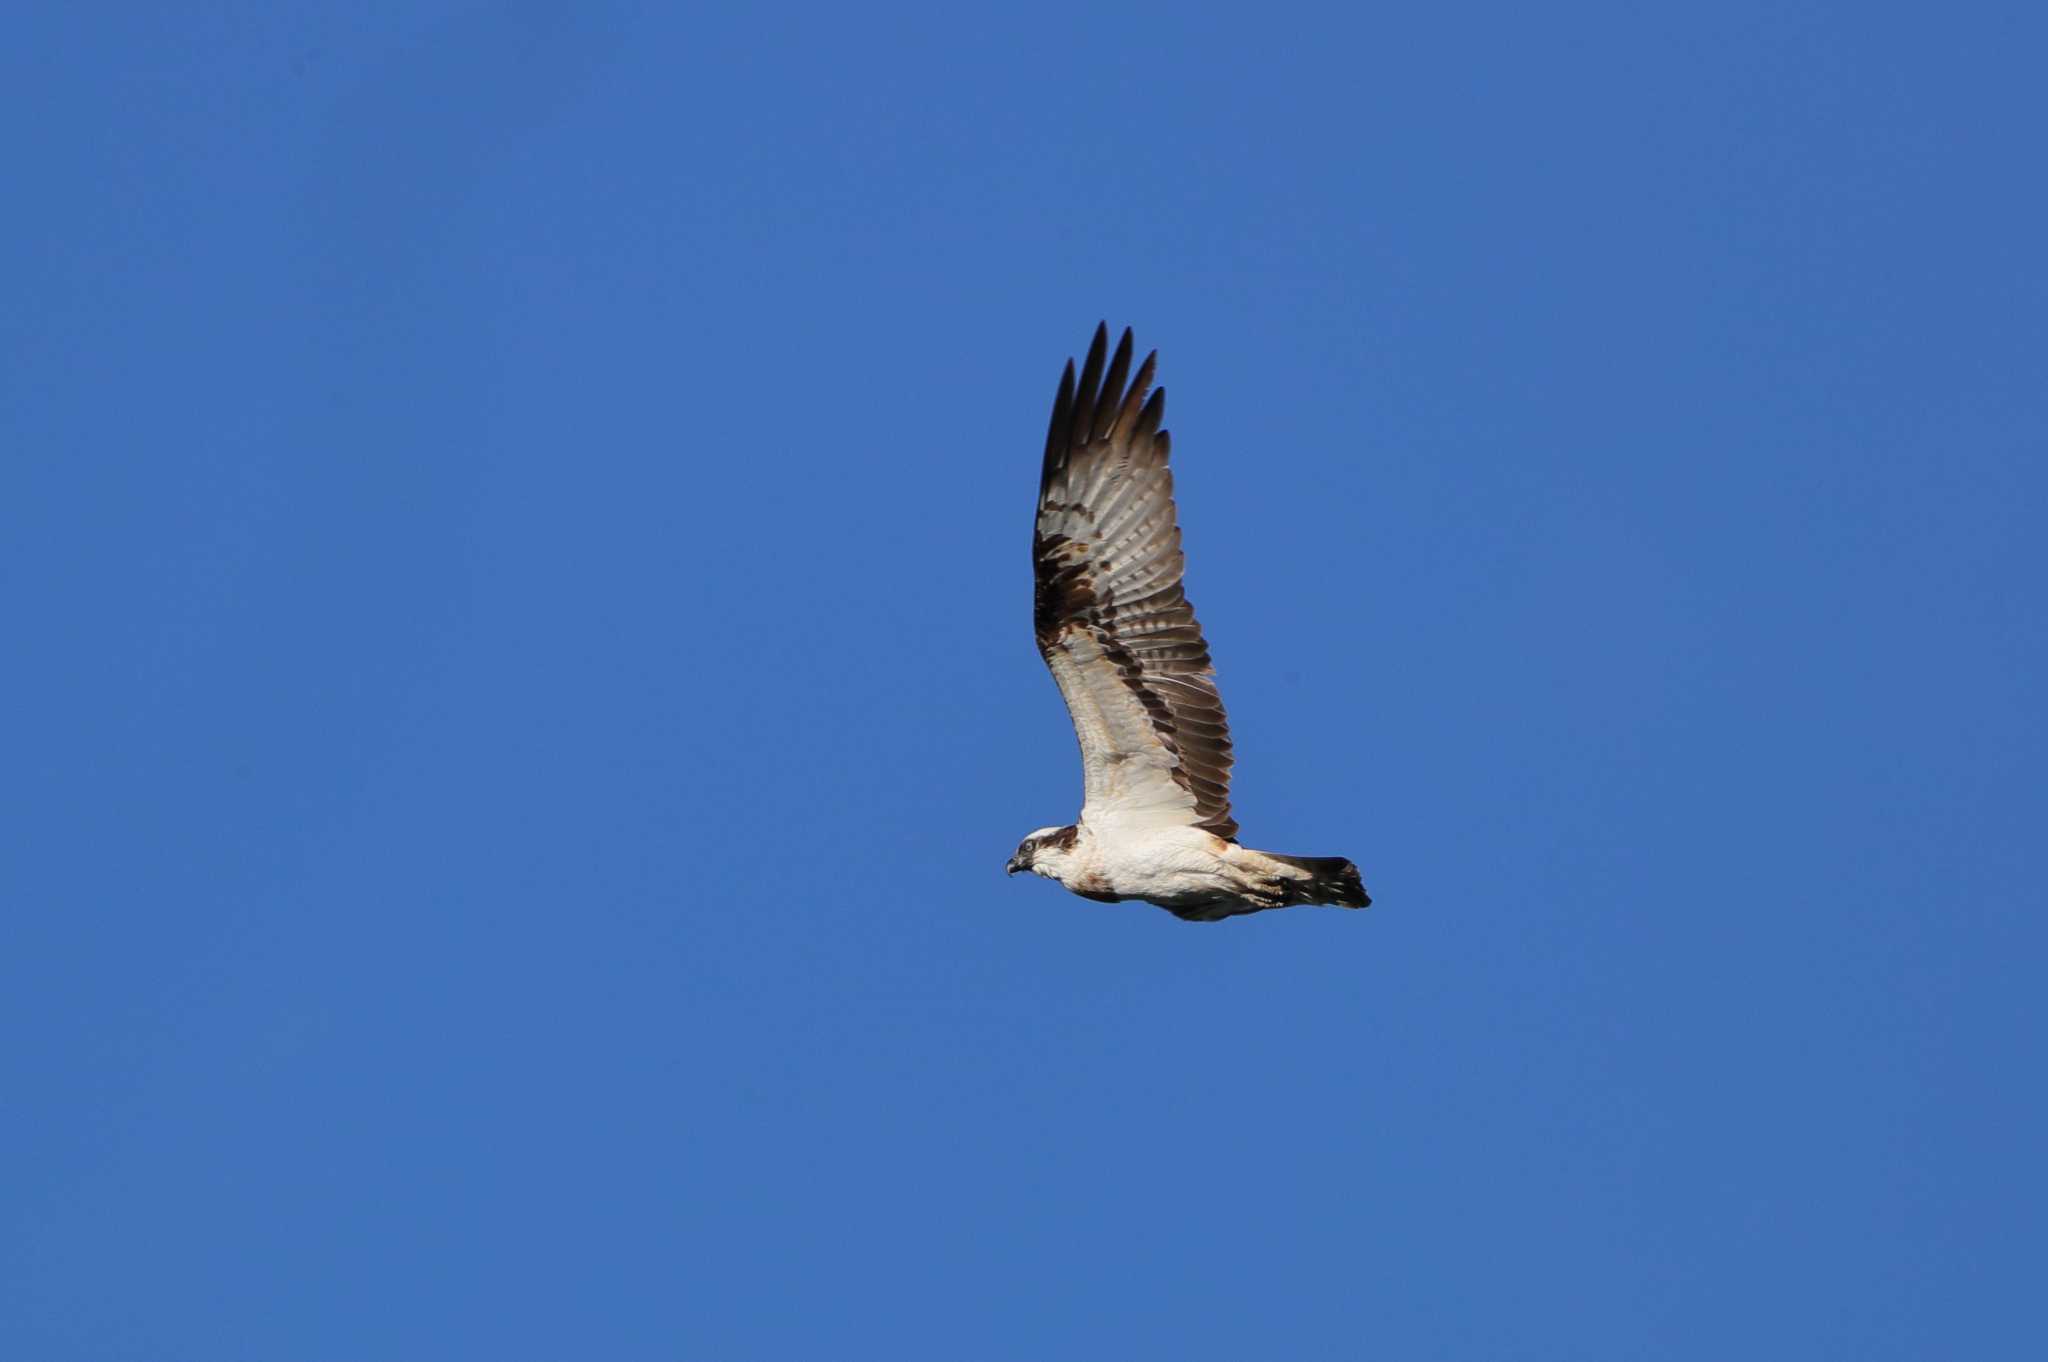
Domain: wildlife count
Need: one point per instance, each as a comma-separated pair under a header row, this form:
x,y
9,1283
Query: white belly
x,y
1175,866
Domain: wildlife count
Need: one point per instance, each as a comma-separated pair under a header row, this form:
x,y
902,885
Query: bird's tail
x,y
1331,879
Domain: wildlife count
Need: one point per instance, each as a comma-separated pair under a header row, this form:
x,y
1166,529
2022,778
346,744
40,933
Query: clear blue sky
x,y
514,526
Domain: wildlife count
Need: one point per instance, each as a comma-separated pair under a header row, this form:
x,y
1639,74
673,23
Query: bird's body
x,y
1191,873
1122,643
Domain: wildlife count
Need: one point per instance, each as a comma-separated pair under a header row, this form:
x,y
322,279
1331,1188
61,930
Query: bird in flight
x,y
1121,640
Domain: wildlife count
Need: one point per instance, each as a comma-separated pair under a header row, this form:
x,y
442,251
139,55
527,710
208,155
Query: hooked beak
x,y
1012,868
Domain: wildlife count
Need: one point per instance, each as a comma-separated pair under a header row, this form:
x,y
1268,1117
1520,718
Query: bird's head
x,y
1038,851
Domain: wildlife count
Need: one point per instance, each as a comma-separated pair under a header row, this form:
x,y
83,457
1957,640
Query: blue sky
x,y
513,529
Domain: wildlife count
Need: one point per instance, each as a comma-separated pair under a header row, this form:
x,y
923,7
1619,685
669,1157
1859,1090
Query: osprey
x,y
1121,640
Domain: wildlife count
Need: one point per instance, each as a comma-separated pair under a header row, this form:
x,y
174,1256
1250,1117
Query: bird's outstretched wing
x,y
1112,621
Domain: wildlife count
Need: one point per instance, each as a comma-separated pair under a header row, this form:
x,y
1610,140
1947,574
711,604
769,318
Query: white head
x,y
1044,851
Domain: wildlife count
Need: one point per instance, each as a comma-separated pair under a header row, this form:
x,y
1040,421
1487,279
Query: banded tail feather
x,y
1332,880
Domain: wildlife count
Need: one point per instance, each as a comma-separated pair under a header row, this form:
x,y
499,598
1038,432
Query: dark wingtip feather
x,y
1111,404
1058,434
1134,396
1149,418
1089,390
